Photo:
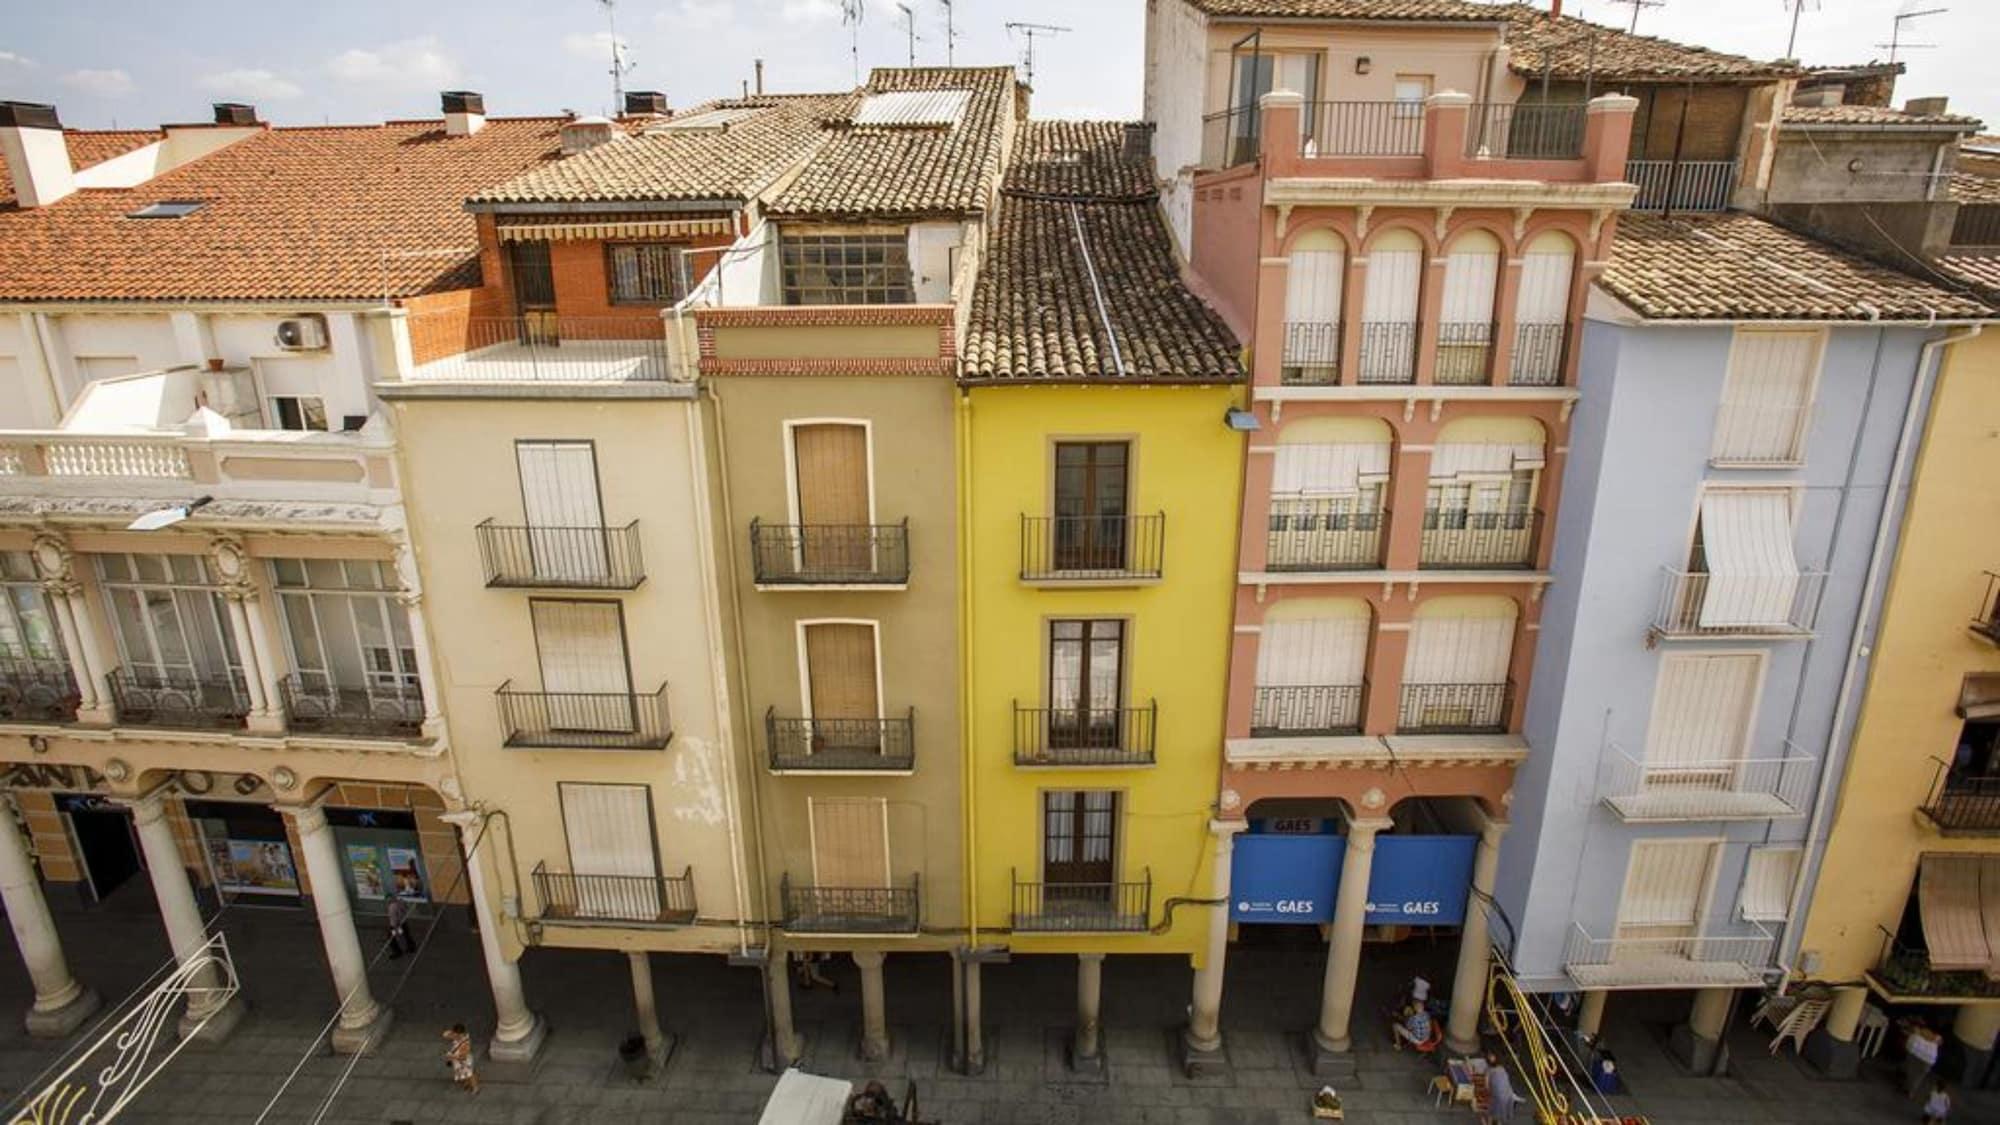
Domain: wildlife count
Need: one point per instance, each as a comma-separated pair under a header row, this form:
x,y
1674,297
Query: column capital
x,y
463,819
868,958
1492,830
308,818
1366,827
1227,828
149,806
1092,957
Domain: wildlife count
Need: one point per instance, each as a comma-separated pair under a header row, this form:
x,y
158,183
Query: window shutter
x,y
1469,282
1545,278
1664,883
610,829
1314,652
581,646
1459,650
1753,574
1767,883
1327,470
1312,286
1394,280
1766,396
1702,708
850,838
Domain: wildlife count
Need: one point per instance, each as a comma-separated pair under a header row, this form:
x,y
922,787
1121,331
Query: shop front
x,y
101,840
382,858
1287,871
248,853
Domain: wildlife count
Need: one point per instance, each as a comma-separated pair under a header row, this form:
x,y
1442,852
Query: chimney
x,y
1138,140
583,133
1926,107
760,78
31,140
1556,8
235,113
464,112
639,103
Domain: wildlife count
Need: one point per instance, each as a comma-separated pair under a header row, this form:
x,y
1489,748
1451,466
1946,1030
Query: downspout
x,y
1802,892
967,720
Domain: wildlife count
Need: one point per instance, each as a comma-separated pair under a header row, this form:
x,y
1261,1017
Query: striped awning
x,y
1949,900
515,230
1979,696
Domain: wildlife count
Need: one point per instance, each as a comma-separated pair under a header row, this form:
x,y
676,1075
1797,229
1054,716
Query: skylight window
x,y
168,209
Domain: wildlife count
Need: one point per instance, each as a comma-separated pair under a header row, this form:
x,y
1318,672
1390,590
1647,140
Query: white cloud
x,y
407,63
103,83
250,83
698,15
594,45
810,11
11,58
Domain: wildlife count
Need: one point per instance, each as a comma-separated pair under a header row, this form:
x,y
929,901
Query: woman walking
x,y
458,1056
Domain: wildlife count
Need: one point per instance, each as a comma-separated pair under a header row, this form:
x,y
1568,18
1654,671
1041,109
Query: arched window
x,y
1389,309
1455,678
1465,319
1311,660
1313,286
1327,485
1541,311
1479,512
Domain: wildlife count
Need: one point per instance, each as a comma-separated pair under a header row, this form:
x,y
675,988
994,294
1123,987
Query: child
x,y
1937,1106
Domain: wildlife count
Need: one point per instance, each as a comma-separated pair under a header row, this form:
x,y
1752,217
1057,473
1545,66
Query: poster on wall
x,y
256,867
364,863
407,871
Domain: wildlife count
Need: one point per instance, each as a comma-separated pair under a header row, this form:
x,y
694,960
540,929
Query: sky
x,y
143,62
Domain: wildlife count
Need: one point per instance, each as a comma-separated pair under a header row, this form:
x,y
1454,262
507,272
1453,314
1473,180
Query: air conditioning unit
x,y
302,334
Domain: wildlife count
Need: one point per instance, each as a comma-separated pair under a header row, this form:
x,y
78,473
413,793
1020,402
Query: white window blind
x,y
1312,652
1747,541
1545,278
1664,883
1702,708
1767,884
1327,470
1312,286
1766,397
581,647
1394,279
1459,650
560,502
611,852
1461,459
1469,283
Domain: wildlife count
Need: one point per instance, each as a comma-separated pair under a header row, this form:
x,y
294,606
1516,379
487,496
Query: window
x,y
563,511
1090,504
1767,884
846,269
646,273
1744,543
1702,709
1666,888
1260,72
28,633
1079,839
842,692
1411,90
850,841
299,412
168,209
831,491
580,646
612,853
346,629
1766,398
1086,683
168,617
1326,504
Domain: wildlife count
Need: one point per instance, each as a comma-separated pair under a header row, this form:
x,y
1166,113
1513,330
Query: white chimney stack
x,y
464,112
583,133
31,140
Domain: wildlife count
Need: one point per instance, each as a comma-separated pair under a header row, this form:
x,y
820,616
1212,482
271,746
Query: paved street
x,y
715,1011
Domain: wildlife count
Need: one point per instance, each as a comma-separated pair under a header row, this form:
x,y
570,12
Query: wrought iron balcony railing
x,y
1085,736
813,909
1986,620
1480,708
641,900
789,554
1723,789
34,691
1310,534
1083,907
1526,131
1463,539
1306,709
1539,352
1388,351
1312,353
1737,959
576,720
1907,970
1693,604
1964,805
1464,354
593,558
160,697
1361,128
841,745
1092,548
314,704
1682,185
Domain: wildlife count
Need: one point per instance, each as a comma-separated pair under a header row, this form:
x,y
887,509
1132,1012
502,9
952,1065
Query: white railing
x,y
1696,604
1757,434
12,464
253,465
1722,789
136,457
1700,958
1686,185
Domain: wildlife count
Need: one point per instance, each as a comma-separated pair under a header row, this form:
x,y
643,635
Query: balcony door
x,y
1086,684
171,627
585,672
534,284
1667,885
832,494
613,858
1091,504
1390,296
1743,542
1079,849
1702,710
843,692
850,842
564,514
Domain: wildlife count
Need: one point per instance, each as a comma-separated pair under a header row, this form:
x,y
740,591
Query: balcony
x,y
561,558
1323,534
1312,353
1106,550
156,697
1525,131
314,705
1724,789
636,900
1539,351
540,349
1455,708
1714,960
1305,710
1085,736
812,909
1087,908
841,745
1986,621
1693,604
1464,355
1388,352
1905,973
33,691
1964,806
1682,185
584,720
839,555
1461,539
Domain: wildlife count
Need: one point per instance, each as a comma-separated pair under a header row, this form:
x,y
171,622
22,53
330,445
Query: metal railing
x,y
1539,351
813,909
155,697
1644,959
1748,433
1231,137
541,348
1525,131
647,900
574,720
1361,128
1083,907
313,703
1323,534
1090,548
841,744
1465,539
1464,355
1388,351
1905,970
1455,708
1085,736
1306,709
33,691
1718,789
1986,622
1968,805
1694,604
598,558
790,554
1312,353
1682,185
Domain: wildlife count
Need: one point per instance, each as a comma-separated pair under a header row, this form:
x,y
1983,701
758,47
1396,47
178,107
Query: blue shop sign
x,y
1420,880
1279,877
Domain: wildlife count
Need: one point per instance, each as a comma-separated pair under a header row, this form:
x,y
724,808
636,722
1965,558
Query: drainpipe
x,y
967,718
1802,892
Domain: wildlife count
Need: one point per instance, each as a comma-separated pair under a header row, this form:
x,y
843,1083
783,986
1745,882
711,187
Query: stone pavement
x,y
716,1013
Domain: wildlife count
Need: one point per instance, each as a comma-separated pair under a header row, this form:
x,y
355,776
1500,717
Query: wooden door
x,y
1091,505
1079,850
1086,684
614,862
841,687
534,284
830,466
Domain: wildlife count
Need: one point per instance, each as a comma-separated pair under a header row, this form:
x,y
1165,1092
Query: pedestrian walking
x,y
1920,1054
1938,1106
1500,1096
458,1056
805,966
400,941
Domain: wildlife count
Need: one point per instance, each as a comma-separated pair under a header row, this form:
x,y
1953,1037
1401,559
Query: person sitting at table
x,y
1415,1028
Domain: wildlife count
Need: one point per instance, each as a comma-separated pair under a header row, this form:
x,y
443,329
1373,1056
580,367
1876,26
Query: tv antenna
x,y
910,30
1896,43
1636,5
619,67
950,36
1031,30
1798,8
850,15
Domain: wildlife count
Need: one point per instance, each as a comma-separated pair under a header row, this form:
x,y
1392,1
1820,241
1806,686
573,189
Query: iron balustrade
x,y
813,909
1388,351
1468,539
314,704
1323,534
543,348
33,691
598,558
1986,621
1083,907
1640,791
1539,354
156,697
1525,131
841,745
1312,353
1906,970
1464,355
1306,709
790,554
1695,604
1682,185
584,720
1470,708
1967,805
646,900
1085,736
1665,961
1394,128
1092,548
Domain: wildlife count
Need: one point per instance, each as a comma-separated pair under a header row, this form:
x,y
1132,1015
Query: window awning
x,y
1949,900
1327,470
1753,575
521,230
1979,696
1467,458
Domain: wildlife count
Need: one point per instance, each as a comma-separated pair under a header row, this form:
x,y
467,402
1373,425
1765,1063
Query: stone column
x,y
1590,1016
246,651
518,1031
1343,954
644,1004
1975,1029
61,1004
79,666
874,1010
1475,951
778,994
266,666
362,1022
1698,1043
975,1031
1088,1045
1830,1047
412,600
182,918
1202,1040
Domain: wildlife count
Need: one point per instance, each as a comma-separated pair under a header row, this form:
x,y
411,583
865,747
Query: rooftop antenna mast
x,y
1896,43
1031,30
1798,7
910,30
950,35
850,14
1636,5
619,67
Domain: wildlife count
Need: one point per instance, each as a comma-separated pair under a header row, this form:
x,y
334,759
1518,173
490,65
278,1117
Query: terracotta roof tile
x,y
1979,271
1739,267
1454,10
1036,313
1870,115
1968,188
87,147
1570,48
